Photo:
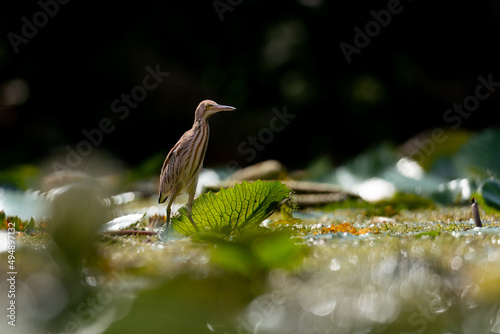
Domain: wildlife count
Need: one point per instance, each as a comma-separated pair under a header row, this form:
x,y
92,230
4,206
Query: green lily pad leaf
x,y
245,205
490,191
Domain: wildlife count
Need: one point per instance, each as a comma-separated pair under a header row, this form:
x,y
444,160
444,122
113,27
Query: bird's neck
x,y
200,122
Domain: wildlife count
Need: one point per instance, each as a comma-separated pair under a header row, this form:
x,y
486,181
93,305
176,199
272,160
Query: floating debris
x,y
343,228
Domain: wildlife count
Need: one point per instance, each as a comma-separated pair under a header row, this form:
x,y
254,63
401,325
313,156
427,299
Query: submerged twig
x,y
475,212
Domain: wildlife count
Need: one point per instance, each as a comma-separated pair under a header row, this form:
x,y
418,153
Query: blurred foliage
x,y
478,158
490,193
399,202
76,215
78,212
319,167
442,151
186,304
254,252
20,176
456,165
386,207
26,226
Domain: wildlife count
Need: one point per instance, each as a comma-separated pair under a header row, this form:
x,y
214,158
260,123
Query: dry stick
x,y
475,212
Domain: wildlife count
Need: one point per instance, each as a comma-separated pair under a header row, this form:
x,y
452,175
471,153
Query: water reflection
x,y
394,286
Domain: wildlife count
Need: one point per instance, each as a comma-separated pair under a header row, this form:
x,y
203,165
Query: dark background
x,y
262,55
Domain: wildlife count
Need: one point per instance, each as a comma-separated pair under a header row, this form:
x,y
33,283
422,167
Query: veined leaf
x,y
245,205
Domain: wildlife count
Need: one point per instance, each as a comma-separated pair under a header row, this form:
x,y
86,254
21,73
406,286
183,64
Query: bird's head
x,y
207,108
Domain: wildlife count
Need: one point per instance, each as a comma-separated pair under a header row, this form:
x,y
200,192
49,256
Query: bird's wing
x,y
170,178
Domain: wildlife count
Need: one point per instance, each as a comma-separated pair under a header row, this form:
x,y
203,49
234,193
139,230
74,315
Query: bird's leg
x,y
191,219
169,208
189,207
168,214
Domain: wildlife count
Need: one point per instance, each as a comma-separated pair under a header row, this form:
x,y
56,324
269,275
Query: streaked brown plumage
x,y
184,161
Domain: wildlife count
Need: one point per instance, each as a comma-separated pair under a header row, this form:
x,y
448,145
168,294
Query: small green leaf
x,y
245,205
490,191
30,227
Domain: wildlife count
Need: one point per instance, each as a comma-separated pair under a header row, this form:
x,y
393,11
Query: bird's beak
x,y
221,107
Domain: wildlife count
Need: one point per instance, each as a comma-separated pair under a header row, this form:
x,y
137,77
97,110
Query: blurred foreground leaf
x,y
187,304
255,251
245,205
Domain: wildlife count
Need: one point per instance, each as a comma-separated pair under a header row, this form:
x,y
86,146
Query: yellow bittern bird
x,y
182,166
